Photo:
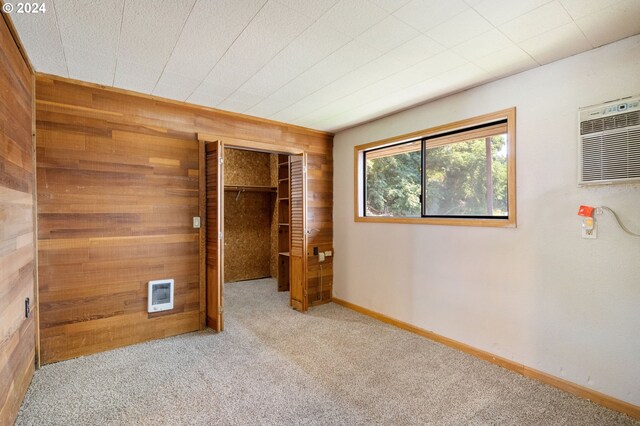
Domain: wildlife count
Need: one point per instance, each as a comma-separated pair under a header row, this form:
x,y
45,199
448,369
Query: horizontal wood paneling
x,y
117,182
108,225
17,253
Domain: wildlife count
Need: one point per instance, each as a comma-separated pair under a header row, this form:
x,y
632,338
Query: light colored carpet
x,y
274,366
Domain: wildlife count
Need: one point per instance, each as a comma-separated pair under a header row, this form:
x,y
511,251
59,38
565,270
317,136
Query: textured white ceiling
x,y
324,64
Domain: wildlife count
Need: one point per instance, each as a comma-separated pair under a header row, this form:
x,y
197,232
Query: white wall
x,y
539,294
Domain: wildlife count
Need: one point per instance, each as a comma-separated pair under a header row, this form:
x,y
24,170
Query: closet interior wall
x,y
250,210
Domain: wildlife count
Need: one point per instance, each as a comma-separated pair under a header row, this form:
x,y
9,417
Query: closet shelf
x,y
249,188
284,253
283,224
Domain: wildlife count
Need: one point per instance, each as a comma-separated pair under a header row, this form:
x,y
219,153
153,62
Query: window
x,y
458,174
392,181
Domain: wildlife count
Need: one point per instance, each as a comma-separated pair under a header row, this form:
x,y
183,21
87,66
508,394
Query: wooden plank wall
x,y
17,252
320,225
247,217
117,186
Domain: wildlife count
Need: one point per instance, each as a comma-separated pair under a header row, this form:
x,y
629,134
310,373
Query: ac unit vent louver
x,y
610,142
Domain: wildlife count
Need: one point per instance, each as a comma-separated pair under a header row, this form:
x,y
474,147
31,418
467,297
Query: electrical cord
x,y
624,228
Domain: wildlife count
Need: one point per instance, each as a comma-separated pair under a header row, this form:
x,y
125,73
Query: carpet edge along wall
x,y
117,190
17,253
565,385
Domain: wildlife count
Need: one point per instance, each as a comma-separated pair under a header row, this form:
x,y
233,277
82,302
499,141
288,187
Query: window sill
x,y
488,223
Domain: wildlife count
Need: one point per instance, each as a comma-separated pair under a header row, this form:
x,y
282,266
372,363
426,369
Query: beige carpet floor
x,y
274,366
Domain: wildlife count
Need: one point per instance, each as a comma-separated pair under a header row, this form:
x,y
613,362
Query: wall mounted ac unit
x,y
609,140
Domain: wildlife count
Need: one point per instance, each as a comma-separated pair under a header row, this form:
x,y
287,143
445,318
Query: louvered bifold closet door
x,y
214,175
298,246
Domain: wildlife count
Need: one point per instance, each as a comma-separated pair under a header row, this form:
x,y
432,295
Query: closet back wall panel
x,y
117,189
243,167
247,235
247,216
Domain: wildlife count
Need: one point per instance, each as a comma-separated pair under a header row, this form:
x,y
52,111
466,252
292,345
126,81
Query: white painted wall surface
x,y
539,294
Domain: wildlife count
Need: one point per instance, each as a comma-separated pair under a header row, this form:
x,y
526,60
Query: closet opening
x,y
254,227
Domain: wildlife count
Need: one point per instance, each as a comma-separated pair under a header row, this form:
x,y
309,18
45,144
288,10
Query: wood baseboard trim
x,y
212,323
565,385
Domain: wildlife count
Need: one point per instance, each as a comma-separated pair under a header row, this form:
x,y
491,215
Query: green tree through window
x,y
393,185
463,178
457,180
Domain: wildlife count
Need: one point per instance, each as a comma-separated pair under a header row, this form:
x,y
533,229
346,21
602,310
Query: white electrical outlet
x,y
321,257
196,222
328,253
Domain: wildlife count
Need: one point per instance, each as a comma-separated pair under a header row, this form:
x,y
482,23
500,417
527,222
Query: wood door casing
x,y
297,249
214,227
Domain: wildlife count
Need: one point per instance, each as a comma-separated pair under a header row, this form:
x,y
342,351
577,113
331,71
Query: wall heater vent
x,y
610,142
160,295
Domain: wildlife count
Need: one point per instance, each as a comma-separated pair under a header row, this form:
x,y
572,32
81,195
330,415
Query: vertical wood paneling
x,y
117,187
17,333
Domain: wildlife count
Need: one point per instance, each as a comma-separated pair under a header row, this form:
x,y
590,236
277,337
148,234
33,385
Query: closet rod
x,y
250,188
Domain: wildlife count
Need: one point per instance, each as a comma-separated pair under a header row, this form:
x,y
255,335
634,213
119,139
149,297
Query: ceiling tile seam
x,y
302,13
509,38
326,85
64,55
462,42
405,108
422,30
403,88
576,24
115,69
362,88
418,103
184,24
225,52
274,56
363,65
532,10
